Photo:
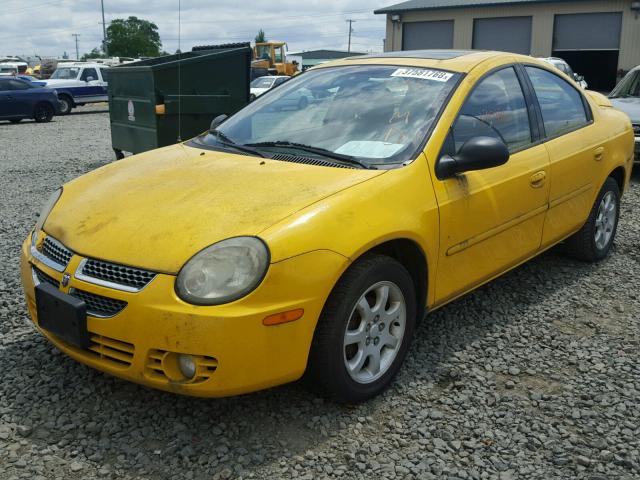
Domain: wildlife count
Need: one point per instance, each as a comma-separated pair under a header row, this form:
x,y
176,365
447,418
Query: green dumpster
x,y
161,101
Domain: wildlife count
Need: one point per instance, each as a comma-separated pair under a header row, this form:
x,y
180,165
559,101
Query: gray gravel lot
x,y
535,376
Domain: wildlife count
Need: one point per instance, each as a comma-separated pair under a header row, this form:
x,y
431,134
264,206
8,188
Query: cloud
x,y
45,27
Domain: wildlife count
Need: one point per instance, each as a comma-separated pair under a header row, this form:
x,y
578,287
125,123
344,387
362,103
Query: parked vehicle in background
x,y
79,83
263,84
626,97
20,99
33,80
565,68
7,69
281,243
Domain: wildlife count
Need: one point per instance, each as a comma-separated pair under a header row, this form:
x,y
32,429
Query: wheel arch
x,y
408,253
619,174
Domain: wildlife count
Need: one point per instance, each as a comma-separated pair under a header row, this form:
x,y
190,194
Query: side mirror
x,y
90,79
216,122
478,153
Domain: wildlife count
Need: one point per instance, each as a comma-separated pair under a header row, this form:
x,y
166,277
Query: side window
x,y
280,81
561,104
89,72
496,108
5,86
105,74
19,85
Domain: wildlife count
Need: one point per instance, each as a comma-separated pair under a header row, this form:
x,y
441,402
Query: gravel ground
x,y
534,376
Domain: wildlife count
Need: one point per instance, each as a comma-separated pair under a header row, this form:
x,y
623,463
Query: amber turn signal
x,y
283,317
160,109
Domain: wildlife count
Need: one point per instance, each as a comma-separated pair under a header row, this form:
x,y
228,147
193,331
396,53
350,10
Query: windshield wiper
x,y
316,150
225,141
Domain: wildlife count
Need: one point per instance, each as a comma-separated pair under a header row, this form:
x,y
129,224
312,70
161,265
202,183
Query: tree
x,y
95,53
260,37
133,37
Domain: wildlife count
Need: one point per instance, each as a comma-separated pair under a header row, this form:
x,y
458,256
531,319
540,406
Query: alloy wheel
x,y
374,332
606,220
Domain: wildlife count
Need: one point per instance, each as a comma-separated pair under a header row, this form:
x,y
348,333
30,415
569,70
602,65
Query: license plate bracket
x,y
63,315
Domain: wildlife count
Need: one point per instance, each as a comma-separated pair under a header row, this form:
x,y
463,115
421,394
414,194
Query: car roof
x,y
462,61
81,64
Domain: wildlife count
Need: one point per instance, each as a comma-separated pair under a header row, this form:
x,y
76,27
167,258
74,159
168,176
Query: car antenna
x,y
179,75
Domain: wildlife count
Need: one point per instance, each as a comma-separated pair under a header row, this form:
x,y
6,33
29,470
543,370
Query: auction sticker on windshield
x,y
423,73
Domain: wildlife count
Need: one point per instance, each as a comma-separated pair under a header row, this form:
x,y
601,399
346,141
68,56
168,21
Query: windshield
x,y
262,82
263,52
379,115
629,86
66,73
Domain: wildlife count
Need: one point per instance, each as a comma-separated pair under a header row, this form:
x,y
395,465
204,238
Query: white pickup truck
x,y
79,83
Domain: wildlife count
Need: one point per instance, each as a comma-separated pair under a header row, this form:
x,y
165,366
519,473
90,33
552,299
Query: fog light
x,y
187,366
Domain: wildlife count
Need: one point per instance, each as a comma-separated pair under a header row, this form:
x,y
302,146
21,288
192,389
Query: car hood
x,y
630,106
156,210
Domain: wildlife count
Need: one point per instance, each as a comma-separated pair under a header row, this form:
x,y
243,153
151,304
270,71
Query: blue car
x,y
32,80
20,99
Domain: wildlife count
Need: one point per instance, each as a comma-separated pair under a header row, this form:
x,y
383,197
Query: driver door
x,y
491,220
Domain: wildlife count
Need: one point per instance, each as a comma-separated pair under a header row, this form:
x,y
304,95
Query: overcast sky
x,y
45,27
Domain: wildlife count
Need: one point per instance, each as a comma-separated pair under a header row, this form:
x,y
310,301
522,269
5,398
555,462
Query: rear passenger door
x,y
491,220
6,98
576,149
22,100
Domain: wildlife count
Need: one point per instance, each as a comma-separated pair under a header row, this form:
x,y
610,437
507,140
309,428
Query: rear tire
x,y
66,104
363,334
43,113
15,120
594,240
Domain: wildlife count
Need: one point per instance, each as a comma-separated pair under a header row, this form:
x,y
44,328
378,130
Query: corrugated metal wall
x,y
543,21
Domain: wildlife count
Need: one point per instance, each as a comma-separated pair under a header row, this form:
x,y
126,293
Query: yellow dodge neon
x,y
308,237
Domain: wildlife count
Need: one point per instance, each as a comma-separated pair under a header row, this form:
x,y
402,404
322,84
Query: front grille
x,y
134,278
116,352
54,250
97,305
44,278
205,366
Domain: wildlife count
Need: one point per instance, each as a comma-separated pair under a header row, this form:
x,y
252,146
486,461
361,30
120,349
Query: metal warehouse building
x,y
599,38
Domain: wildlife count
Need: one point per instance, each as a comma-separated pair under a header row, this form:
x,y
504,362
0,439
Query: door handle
x,y
598,155
538,179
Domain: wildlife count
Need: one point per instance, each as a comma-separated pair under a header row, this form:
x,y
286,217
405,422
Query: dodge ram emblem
x,y
65,279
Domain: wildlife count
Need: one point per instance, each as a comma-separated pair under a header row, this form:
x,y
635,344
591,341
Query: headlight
x,y
47,207
223,272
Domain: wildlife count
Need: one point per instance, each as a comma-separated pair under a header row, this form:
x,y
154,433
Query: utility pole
x,y
77,53
104,31
350,32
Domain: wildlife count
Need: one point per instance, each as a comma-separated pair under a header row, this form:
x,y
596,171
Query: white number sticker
x,y
423,73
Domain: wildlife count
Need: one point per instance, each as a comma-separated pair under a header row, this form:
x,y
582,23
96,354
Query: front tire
x,y
364,331
594,240
15,120
66,104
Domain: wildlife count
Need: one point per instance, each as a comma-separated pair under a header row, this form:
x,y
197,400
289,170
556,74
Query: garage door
x,y
427,35
509,34
587,31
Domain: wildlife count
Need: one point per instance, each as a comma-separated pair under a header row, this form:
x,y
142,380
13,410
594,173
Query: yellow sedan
x,y
295,240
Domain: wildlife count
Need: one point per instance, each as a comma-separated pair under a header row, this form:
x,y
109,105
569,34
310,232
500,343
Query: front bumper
x,y
235,353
